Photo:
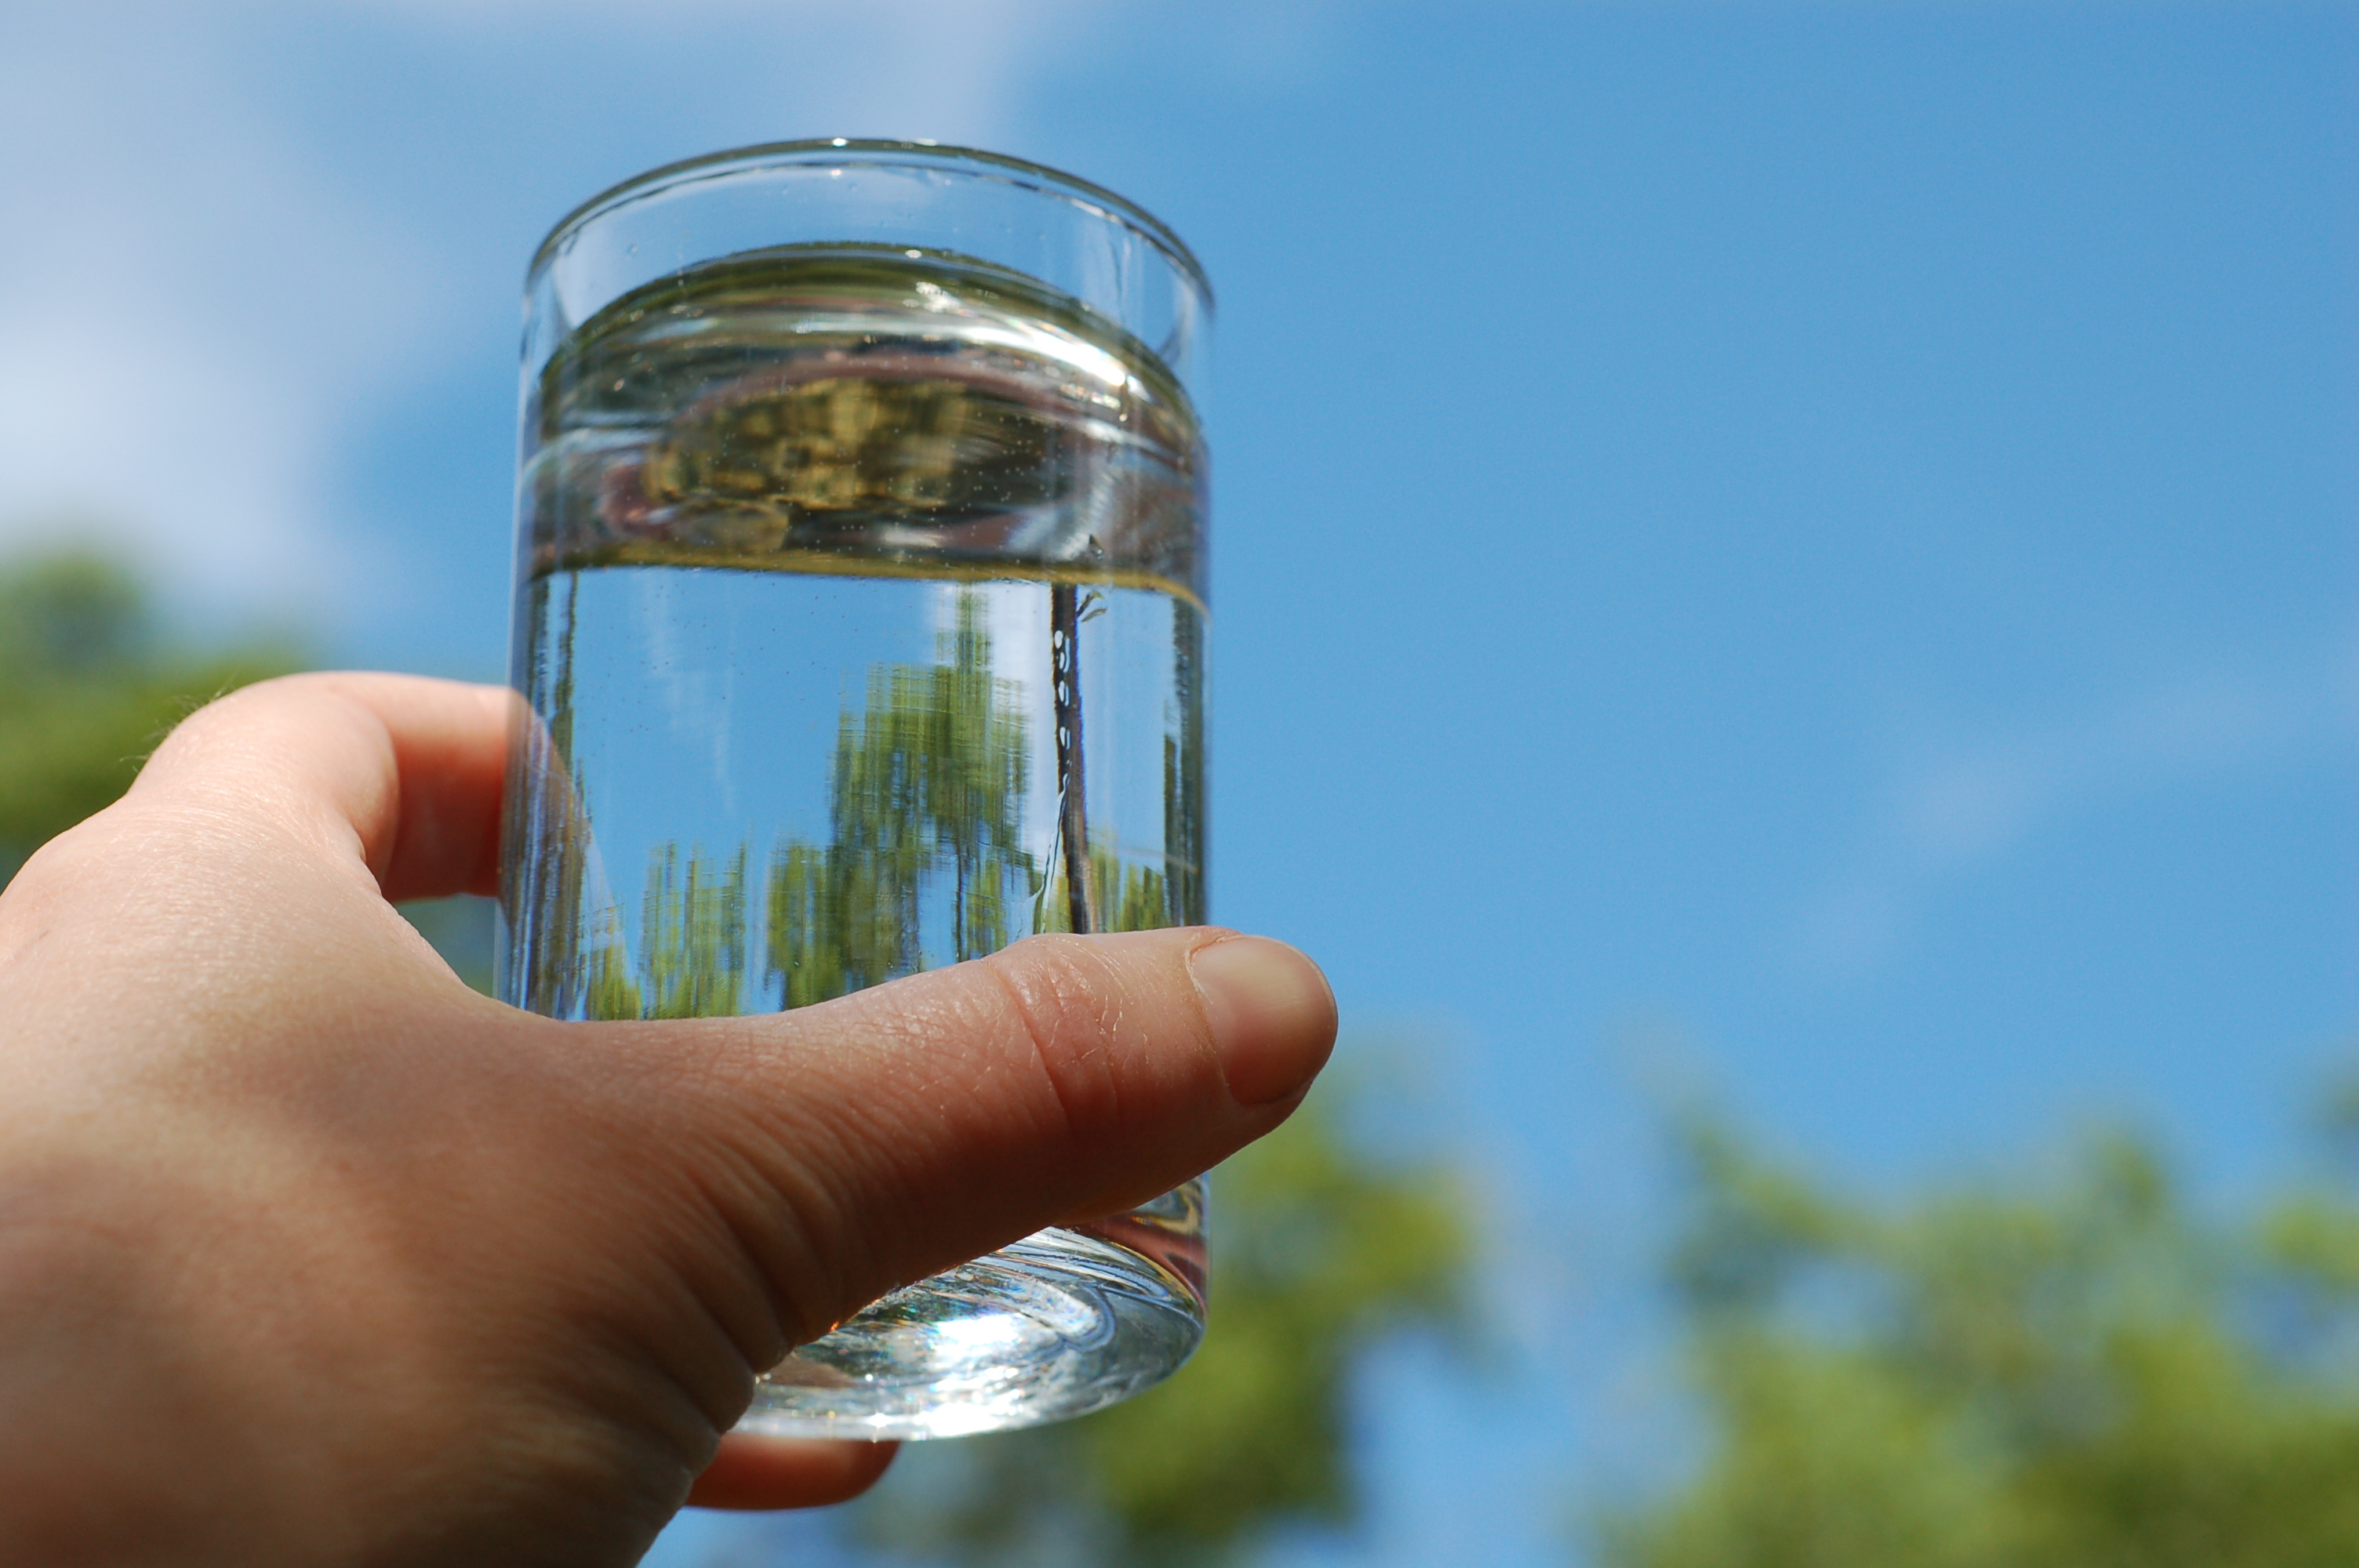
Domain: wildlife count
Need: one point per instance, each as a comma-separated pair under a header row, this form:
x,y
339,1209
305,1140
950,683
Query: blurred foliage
x,y
1320,1251
87,687
2084,1375
90,685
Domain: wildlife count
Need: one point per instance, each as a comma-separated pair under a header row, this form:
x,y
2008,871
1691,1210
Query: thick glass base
x,y
1060,1324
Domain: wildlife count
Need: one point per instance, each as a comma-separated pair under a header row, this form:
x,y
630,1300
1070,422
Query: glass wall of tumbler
x,y
860,624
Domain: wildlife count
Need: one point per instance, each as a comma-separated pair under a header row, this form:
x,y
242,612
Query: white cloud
x,y
186,298
201,310
949,69
1963,802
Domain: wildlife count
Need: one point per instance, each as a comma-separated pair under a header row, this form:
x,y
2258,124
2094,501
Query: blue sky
x,y
1805,550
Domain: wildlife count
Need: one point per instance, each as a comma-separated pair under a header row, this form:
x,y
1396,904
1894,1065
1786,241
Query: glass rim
x,y
917,154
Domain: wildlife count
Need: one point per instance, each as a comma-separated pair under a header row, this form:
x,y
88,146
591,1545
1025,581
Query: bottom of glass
x,y
1060,1324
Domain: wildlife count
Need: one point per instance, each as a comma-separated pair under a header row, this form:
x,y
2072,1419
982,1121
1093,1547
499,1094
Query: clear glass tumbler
x,y
860,620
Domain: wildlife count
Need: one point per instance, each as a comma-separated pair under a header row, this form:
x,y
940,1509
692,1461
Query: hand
x,y
309,1255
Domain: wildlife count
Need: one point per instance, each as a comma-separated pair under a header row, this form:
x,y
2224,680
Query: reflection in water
x,y
692,935
925,838
930,776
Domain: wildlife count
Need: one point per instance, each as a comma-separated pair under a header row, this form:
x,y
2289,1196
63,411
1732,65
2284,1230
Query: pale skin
x,y
310,1255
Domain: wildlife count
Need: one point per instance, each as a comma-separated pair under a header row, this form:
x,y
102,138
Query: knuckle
x,y
1066,1014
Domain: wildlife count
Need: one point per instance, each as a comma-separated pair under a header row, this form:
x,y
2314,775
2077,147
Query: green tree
x,y
927,785
927,794
692,935
2085,1376
88,686
1320,1252
929,774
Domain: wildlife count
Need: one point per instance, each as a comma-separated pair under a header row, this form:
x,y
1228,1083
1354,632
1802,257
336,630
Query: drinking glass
x,y
860,620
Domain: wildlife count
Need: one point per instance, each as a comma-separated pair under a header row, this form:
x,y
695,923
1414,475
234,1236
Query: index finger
x,y
402,772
